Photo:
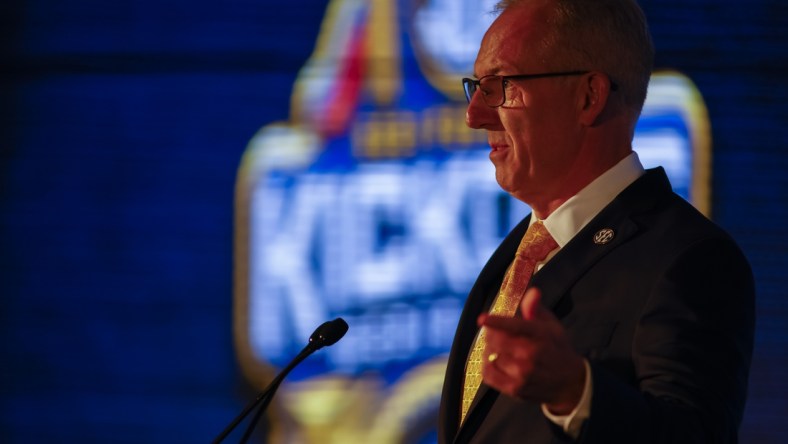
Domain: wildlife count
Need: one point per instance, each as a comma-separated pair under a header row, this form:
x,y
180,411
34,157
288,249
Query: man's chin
x,y
504,181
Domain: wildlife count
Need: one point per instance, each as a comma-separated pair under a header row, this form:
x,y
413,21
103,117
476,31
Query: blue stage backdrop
x,y
176,177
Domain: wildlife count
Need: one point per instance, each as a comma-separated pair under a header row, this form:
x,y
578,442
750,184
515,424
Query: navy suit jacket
x,y
664,313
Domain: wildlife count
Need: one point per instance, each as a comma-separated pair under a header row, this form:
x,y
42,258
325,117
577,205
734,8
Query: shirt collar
x,y
568,219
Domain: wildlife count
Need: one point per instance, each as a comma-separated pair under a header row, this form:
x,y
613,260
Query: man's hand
x,y
534,359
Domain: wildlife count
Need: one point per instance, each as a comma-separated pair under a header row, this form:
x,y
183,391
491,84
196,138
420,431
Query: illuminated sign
x,y
376,203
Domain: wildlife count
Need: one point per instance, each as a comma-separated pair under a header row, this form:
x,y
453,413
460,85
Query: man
x,y
637,325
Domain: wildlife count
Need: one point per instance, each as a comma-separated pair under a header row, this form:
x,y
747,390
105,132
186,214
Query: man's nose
x,y
480,116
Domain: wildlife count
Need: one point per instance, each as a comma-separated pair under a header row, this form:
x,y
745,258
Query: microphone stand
x,y
273,387
264,397
256,419
326,334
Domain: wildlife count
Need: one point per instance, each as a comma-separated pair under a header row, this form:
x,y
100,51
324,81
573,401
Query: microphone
x,y
328,333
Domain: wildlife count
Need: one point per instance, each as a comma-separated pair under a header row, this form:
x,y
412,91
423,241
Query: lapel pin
x,y
604,236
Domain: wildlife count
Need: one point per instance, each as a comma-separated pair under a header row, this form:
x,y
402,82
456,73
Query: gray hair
x,y
606,35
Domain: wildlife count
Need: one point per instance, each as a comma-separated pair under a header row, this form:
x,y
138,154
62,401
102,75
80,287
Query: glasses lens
x,y
492,90
469,85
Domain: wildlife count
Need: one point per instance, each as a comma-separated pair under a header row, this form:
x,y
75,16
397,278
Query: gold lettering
x,y
399,134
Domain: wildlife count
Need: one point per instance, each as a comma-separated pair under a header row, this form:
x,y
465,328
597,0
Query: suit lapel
x,y
618,218
581,253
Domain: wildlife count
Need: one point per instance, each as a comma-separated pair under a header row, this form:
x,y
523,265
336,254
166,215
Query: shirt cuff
x,y
573,422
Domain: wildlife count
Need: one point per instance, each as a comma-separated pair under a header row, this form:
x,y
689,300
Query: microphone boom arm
x,y
326,334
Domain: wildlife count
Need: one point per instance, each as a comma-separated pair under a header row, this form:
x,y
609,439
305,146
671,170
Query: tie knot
x,y
536,243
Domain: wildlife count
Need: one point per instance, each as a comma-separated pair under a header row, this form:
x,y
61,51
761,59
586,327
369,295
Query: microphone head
x,y
328,333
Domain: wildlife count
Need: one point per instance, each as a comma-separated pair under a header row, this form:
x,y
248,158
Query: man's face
x,y
534,135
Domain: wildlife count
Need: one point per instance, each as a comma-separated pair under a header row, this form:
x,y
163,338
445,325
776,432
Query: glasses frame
x,y
470,86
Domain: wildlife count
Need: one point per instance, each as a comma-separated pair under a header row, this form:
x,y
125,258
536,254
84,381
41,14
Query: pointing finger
x,y
530,305
513,326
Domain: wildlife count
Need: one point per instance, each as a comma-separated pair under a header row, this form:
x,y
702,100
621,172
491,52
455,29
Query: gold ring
x,y
492,357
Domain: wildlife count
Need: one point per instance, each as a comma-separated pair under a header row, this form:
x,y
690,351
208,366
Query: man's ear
x,y
593,98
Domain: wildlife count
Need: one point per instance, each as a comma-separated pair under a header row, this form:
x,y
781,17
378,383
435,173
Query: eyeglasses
x,y
492,86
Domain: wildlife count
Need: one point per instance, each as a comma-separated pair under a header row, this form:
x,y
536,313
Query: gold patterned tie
x,y
534,247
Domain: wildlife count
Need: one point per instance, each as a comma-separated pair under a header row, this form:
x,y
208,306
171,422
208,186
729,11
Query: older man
x,y
615,313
